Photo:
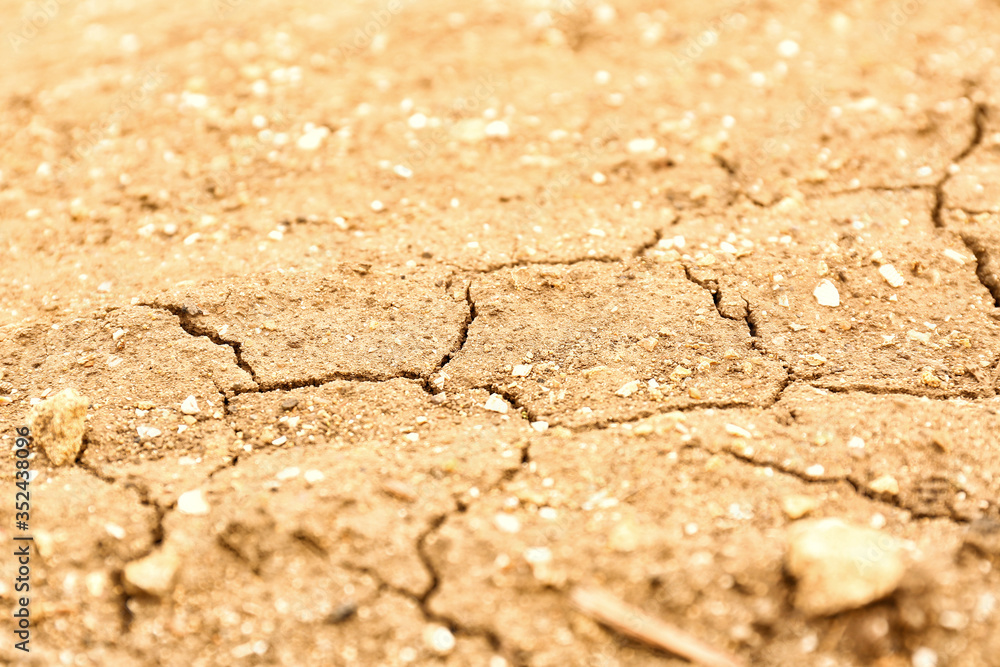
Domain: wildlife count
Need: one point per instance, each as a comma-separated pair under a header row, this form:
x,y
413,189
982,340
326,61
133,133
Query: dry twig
x,y
631,621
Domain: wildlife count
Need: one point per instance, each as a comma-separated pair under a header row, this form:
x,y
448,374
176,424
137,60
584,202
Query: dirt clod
x,y
58,424
839,567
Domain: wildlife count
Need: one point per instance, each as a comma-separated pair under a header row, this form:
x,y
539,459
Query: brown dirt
x,y
607,219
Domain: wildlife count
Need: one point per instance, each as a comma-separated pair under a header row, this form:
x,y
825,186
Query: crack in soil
x,y
987,267
512,399
979,128
856,486
157,534
604,259
657,237
422,599
876,390
463,333
523,263
185,317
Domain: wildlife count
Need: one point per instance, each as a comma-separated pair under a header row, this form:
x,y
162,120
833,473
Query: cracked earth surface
x,y
481,302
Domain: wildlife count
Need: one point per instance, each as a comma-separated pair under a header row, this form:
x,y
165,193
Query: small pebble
x,y
342,612
798,506
788,48
115,531
439,639
522,370
815,470
891,275
289,403
313,477
641,145
508,523
312,139
497,130
190,406
148,432
826,294
153,575
628,389
495,403
733,429
886,484
192,503
924,657
954,256
399,490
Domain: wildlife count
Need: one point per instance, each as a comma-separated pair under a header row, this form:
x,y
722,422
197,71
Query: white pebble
x,y
312,139
628,389
313,476
733,429
891,275
955,256
540,426
497,130
788,48
508,523
924,657
115,531
190,406
288,473
826,294
641,145
440,640
193,503
402,172
522,370
495,403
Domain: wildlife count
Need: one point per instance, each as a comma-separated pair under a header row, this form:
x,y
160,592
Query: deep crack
x,y
657,237
512,399
191,326
979,117
464,332
987,265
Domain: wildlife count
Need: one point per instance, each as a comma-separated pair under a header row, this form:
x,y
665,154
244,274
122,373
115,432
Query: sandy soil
x,y
480,302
